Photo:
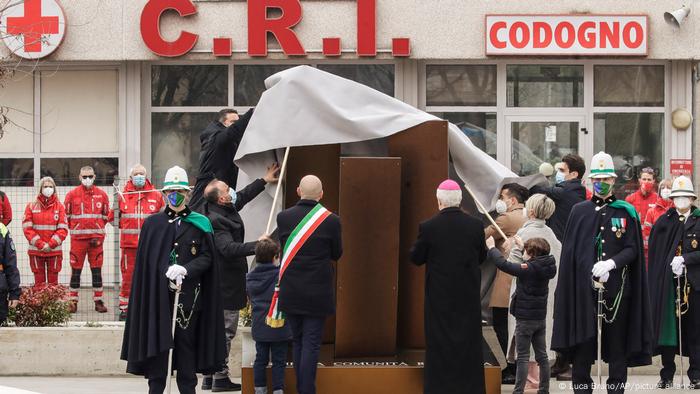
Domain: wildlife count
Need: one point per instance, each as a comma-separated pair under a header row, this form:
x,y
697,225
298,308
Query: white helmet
x,y
602,166
682,187
176,179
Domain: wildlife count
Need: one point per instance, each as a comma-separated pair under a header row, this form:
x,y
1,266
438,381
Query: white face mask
x,y
87,182
525,213
665,193
501,207
47,191
526,257
681,202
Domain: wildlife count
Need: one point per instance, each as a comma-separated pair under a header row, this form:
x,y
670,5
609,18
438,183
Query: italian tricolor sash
x,y
297,239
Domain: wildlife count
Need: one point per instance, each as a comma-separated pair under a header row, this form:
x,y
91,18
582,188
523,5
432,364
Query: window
x,y
65,171
85,123
465,95
544,86
17,172
19,133
78,124
635,141
174,86
249,82
175,141
537,142
460,85
629,86
480,127
376,76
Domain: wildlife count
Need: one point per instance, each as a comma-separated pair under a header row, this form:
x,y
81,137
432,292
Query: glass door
x,y
535,139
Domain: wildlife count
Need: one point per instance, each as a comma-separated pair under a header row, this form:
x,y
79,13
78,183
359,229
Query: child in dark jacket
x,y
260,284
529,306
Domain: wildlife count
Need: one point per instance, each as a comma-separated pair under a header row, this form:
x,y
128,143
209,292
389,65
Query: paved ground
x,y
62,385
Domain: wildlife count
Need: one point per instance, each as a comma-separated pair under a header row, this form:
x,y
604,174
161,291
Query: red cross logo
x,y
32,28
32,25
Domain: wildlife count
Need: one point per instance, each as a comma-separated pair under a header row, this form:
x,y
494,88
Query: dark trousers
x,y
613,347
307,333
264,351
531,332
691,339
184,361
4,307
500,326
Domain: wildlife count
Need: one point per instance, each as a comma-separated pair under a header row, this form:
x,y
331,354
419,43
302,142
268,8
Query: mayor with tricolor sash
x,y
305,294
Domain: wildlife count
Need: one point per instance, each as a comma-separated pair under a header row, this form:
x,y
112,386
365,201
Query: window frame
x,y
37,155
588,110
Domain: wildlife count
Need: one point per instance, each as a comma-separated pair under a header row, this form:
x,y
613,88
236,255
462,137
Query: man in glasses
x,y
87,209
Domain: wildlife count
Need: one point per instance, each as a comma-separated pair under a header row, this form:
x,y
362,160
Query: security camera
x,y
677,17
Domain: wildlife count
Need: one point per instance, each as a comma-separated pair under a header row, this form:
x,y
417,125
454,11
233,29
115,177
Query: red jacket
x,y
653,214
134,207
45,222
5,209
641,203
87,211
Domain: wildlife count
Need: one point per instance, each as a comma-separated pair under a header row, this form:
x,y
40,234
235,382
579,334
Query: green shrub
x,y
41,306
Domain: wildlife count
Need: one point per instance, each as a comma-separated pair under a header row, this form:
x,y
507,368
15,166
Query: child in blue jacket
x,y
269,342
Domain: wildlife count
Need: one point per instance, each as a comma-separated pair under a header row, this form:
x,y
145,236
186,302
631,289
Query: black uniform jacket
x,y
666,236
147,333
575,299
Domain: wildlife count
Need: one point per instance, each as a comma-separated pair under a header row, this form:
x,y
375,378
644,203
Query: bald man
x,y
307,287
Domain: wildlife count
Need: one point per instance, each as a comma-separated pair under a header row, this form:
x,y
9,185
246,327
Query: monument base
x,y
366,380
400,374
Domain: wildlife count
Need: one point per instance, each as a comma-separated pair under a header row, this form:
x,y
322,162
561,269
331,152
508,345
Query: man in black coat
x,y
567,192
452,246
674,266
219,141
222,204
175,245
603,242
307,287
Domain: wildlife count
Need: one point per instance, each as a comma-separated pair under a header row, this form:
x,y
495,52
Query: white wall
x,y
444,29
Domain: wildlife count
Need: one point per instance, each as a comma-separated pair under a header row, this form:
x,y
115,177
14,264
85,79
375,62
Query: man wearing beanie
x,y
451,244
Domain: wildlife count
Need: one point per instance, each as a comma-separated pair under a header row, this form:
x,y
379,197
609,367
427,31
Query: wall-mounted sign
x,y
681,167
32,29
259,25
556,35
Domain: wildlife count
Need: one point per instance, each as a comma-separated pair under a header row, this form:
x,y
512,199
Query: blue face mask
x,y
560,177
139,180
233,194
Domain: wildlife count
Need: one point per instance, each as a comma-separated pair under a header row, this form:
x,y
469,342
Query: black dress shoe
x,y
206,383
694,384
507,378
665,384
224,384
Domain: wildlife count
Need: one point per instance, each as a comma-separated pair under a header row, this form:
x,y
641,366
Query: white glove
x,y
603,267
677,265
604,278
177,273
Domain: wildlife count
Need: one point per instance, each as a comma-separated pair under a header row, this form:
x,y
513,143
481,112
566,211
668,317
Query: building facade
x,y
136,82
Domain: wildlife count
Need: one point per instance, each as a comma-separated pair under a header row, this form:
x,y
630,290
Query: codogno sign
x,y
587,35
33,29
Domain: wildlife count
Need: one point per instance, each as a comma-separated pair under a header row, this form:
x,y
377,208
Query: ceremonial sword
x,y
168,384
680,334
600,288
